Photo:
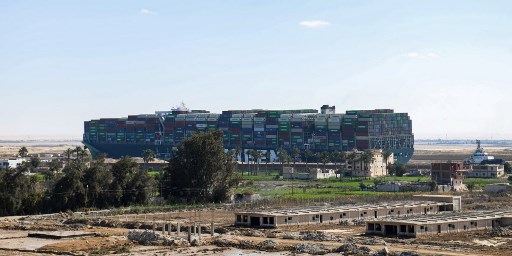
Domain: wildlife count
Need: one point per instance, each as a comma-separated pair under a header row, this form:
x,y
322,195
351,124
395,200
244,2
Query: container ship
x,y
257,129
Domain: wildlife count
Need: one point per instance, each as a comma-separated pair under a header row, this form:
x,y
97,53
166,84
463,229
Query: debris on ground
x,y
312,248
268,244
317,236
501,231
146,237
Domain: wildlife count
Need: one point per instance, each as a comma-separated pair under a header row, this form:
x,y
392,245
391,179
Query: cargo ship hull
x,y
267,130
402,155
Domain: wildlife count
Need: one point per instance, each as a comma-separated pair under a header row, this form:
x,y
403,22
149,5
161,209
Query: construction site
x,y
448,224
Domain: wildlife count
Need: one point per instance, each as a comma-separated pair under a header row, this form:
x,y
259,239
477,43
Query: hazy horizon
x,y
446,63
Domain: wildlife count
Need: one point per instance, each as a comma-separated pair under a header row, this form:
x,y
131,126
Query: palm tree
x,y
366,158
334,159
257,156
352,157
295,155
148,156
68,154
267,160
307,155
249,154
386,155
283,156
238,153
318,156
325,158
23,152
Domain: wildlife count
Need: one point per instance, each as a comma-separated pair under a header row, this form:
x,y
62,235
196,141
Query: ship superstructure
x,y
479,155
255,129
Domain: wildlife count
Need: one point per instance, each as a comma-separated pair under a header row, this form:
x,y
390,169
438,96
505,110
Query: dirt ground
x,y
111,235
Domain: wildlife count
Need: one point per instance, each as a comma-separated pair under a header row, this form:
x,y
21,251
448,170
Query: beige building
x,y
443,223
422,204
486,171
374,168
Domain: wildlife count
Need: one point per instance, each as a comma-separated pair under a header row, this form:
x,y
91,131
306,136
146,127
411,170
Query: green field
x,y
273,186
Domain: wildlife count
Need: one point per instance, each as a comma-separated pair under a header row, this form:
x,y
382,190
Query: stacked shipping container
x,y
262,129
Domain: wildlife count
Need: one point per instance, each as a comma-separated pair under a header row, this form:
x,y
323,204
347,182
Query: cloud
x,y
144,11
314,23
417,55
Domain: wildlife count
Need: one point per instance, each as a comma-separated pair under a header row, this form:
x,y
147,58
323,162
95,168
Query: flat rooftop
x,y
447,217
324,210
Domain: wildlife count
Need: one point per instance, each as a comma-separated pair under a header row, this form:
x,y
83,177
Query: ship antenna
x,y
478,144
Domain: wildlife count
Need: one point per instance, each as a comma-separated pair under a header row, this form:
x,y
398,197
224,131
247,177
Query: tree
x,y
97,180
386,155
122,171
23,152
18,194
471,185
55,165
68,154
250,155
366,158
352,157
267,161
201,170
307,155
256,156
282,154
295,155
35,162
68,192
148,156
318,157
397,169
325,158
508,167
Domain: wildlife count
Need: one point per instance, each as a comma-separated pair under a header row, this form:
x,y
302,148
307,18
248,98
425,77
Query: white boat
x,y
479,155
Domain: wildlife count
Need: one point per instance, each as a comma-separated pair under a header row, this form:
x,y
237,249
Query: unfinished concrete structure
x,y
422,204
413,226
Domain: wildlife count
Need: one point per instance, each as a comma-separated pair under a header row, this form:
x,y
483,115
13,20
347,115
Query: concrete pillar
x,y
212,229
178,229
199,232
195,229
154,228
189,234
169,228
163,229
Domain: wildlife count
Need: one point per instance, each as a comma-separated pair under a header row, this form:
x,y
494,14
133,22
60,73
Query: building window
x,y
238,218
271,220
246,219
289,218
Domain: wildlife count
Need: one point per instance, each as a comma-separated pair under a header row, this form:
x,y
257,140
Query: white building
x,y
313,174
11,163
486,171
374,168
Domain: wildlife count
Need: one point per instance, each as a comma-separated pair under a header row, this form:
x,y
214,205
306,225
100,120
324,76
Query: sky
x,y
446,63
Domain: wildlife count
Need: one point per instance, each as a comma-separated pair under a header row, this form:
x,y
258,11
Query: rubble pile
x,y
147,237
501,231
317,236
268,244
311,248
